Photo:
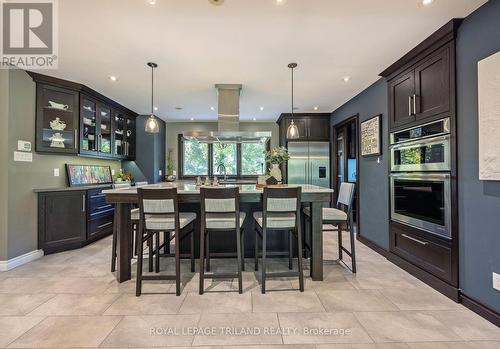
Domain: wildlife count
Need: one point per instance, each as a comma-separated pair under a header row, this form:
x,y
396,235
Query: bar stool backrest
x,y
281,201
220,201
157,203
346,195
121,185
141,184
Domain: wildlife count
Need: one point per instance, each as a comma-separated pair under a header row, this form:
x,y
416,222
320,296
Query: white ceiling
x,y
251,42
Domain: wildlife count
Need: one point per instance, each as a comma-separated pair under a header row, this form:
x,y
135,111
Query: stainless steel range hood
x,y
228,120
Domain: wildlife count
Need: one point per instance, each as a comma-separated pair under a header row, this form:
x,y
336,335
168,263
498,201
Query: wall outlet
x,y
496,281
56,172
160,172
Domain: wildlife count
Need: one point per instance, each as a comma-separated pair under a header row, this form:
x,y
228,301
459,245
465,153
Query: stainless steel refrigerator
x,y
309,163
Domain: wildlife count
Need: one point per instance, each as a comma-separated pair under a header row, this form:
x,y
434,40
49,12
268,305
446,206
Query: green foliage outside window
x,y
253,160
225,154
195,158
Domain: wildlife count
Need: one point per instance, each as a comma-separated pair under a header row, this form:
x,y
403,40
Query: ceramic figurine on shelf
x,y
57,124
57,140
58,105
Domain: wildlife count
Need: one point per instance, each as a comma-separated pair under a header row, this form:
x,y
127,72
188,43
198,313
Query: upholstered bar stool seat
x,y
223,221
134,214
167,222
330,214
276,220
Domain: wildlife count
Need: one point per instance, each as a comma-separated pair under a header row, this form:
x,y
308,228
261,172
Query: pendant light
x,y
151,123
293,131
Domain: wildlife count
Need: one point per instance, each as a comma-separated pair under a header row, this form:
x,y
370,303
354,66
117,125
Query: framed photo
x,y
371,136
82,175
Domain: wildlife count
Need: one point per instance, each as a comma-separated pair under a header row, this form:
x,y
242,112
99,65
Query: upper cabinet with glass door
x,y
123,136
57,120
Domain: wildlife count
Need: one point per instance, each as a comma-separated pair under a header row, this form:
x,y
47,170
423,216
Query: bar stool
x,y
114,254
281,212
339,216
134,218
159,212
220,211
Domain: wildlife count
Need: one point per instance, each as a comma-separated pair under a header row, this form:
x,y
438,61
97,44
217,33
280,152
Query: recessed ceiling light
x,y
254,119
113,78
261,108
346,78
212,108
152,2
155,108
192,119
280,1
316,108
427,2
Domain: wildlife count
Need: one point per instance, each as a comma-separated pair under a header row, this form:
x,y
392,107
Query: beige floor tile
x,y
76,304
456,345
286,301
148,287
21,304
220,302
81,285
354,300
146,304
272,346
153,331
11,327
468,325
239,329
381,281
25,285
405,327
68,331
420,299
40,270
321,328
331,283
364,346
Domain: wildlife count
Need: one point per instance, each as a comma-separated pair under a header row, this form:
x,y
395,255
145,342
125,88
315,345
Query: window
x,y
202,159
253,160
224,156
195,158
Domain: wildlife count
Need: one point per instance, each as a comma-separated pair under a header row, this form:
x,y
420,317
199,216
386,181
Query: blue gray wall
x,y
479,201
373,175
150,153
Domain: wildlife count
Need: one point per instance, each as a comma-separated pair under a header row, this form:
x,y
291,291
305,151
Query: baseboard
x,y
480,309
436,283
377,248
20,260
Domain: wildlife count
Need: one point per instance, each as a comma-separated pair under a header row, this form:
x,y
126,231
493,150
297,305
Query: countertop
x,y
82,188
188,187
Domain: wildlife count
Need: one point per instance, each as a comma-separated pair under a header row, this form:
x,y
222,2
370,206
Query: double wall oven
x,y
420,177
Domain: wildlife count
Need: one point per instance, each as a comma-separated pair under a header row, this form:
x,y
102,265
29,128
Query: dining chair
x,y
220,212
114,254
281,212
159,212
335,218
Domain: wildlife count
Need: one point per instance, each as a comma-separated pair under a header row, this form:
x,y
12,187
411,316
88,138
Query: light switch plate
x,y
23,156
496,281
56,172
23,145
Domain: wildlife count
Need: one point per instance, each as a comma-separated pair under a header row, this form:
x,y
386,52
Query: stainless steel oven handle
x,y
427,175
421,142
415,240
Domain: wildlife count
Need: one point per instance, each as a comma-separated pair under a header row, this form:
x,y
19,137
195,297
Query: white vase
x,y
275,172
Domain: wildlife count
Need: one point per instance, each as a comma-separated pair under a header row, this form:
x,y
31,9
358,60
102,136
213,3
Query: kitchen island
x,y
189,199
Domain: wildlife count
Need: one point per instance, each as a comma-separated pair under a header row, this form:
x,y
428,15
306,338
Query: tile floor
x,y
71,299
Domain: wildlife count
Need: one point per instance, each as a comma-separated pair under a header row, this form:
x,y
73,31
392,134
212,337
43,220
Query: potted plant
x,y
276,157
170,167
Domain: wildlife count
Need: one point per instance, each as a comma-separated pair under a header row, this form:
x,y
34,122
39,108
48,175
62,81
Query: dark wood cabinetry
x,y
62,220
312,127
74,119
72,218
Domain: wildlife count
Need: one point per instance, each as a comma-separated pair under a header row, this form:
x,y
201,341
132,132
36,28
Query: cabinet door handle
x,y
414,104
409,106
415,240
83,202
104,225
75,133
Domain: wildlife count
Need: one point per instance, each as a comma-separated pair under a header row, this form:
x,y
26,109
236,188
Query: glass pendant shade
x,y
292,132
152,125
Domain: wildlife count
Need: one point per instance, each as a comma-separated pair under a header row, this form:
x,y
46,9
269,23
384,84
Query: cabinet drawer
x,y
100,227
423,252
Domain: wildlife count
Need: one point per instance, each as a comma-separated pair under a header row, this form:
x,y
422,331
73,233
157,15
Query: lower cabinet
x,y
71,219
427,252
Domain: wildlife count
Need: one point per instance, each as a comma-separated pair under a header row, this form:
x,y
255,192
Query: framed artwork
x,y
82,175
371,136
489,117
